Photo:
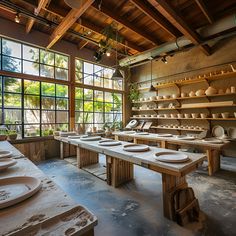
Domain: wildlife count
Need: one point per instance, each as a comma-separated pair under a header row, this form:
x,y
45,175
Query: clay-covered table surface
x,y
49,212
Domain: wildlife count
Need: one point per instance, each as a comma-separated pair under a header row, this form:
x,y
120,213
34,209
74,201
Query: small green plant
x,y
134,93
10,132
3,132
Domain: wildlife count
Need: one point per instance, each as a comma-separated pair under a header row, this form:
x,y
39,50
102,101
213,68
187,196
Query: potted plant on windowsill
x,y
12,135
3,135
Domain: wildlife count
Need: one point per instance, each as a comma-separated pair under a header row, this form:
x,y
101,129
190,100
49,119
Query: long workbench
x,y
49,212
212,150
119,164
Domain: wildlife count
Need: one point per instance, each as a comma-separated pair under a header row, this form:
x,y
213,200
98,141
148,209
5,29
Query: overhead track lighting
x,y
17,18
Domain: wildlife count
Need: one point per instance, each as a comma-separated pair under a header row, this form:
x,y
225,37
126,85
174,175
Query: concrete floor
x,y
135,209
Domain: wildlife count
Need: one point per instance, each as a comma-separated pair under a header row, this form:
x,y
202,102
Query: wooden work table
x,y
212,150
119,164
49,212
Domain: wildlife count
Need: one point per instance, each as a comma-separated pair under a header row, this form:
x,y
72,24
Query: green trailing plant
x,y
134,93
11,132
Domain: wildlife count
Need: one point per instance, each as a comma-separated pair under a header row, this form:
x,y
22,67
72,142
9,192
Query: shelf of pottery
x,y
204,99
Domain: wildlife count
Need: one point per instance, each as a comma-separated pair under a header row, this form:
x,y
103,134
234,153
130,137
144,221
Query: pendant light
x,y
117,74
152,88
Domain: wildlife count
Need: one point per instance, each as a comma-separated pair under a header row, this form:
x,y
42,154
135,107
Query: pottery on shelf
x,y
159,97
203,115
200,92
221,91
235,114
166,115
215,115
195,115
160,106
173,115
191,94
152,98
180,116
228,91
166,96
225,115
175,96
211,91
232,89
186,115
183,95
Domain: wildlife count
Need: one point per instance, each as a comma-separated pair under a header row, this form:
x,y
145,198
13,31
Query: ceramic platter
x,y
4,154
184,137
16,189
218,131
232,133
109,142
90,138
171,157
143,133
136,147
130,132
133,123
212,140
164,135
6,162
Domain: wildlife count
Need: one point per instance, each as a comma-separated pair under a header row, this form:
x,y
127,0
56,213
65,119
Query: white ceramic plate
x,y
4,154
136,147
133,123
232,132
143,133
16,189
109,142
66,134
184,137
90,138
164,135
171,157
218,131
212,140
74,137
6,162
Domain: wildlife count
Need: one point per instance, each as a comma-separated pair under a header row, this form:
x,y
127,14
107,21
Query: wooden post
x,y
213,158
61,150
163,144
118,171
86,157
170,184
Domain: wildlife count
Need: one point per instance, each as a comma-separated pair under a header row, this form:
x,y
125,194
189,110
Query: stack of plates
x,y
6,162
5,154
218,131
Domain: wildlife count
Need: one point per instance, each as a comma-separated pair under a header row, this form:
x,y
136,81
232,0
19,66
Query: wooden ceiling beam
x,y
164,8
205,11
30,22
68,21
82,44
156,17
93,27
126,23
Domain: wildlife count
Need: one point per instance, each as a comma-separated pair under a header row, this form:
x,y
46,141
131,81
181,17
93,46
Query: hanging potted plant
x,y
12,135
3,135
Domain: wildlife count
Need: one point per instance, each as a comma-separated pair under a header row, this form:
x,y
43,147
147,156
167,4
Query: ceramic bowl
x,y
195,115
186,115
175,96
166,96
203,115
211,91
215,115
191,94
228,90
200,92
183,95
225,115
235,114
173,115
166,115
159,97
152,98
160,106
141,99
180,116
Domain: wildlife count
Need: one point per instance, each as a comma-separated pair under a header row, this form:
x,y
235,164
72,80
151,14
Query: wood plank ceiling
x,y
143,24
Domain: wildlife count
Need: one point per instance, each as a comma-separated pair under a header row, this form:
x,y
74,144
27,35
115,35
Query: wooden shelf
x,y
195,130
169,118
186,98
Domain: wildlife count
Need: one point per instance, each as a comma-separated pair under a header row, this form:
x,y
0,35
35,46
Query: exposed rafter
x,y
82,44
93,27
156,17
205,11
125,23
68,21
164,8
30,22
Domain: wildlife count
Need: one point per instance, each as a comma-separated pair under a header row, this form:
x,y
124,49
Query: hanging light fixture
x,y
117,74
152,88
17,18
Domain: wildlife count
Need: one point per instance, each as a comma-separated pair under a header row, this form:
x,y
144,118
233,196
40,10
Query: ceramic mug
x,y
232,89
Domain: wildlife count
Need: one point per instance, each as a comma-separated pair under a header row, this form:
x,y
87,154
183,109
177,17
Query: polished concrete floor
x,y
135,209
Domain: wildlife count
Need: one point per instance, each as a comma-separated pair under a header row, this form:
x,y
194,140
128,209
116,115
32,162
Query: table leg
x,y
61,150
213,158
116,137
118,171
88,233
163,144
86,157
170,184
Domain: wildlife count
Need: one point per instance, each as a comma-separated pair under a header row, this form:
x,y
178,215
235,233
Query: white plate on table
x,y
218,131
4,154
6,162
212,140
184,137
171,157
109,142
130,132
164,135
136,147
74,137
90,138
16,189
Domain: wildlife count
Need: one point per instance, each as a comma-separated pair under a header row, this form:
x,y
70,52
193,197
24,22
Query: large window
x,y
96,75
33,108
22,58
